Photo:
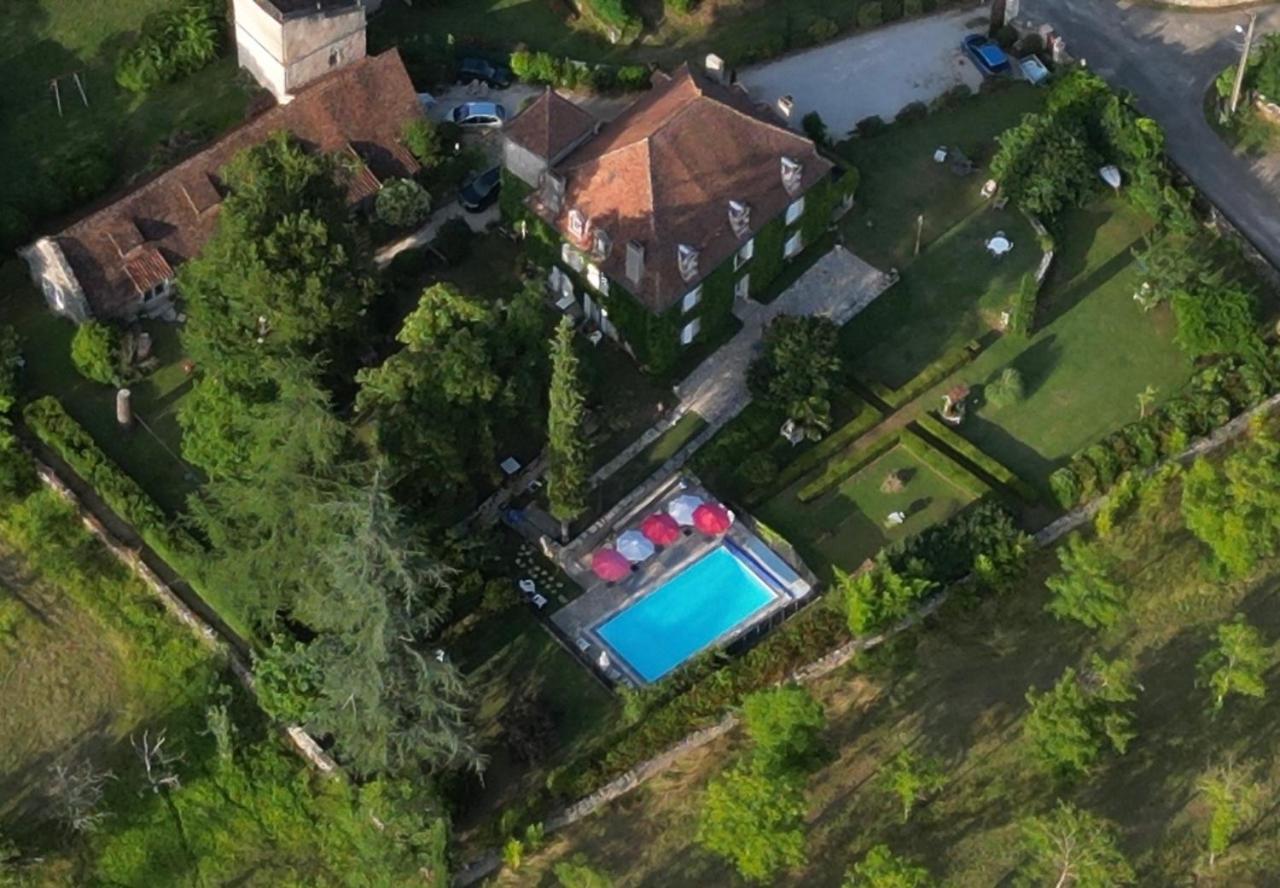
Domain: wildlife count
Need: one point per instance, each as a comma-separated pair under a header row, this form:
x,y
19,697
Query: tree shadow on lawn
x,y
1022,458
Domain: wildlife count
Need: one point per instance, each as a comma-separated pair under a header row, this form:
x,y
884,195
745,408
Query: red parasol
x,y
661,529
712,519
610,565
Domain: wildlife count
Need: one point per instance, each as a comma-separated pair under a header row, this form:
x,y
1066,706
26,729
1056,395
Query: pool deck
x,y
602,600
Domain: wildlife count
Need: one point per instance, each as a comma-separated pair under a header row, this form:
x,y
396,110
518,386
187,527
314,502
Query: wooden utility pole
x,y
1244,62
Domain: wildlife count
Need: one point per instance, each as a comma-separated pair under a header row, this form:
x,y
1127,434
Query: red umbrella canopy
x,y
610,565
712,518
661,529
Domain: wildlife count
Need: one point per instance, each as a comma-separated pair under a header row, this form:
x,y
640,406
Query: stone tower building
x,y
286,44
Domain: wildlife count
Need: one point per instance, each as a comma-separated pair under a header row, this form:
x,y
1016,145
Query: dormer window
x,y
792,172
577,224
600,244
739,218
687,258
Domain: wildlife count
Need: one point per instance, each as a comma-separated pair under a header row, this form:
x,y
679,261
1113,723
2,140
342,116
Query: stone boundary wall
x,y
489,862
302,742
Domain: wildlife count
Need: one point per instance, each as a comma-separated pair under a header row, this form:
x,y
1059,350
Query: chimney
x,y
635,261
786,105
792,173
716,69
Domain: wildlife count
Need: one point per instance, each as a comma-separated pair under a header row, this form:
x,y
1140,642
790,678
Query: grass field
x,y
955,689
736,29
1093,352
848,525
44,39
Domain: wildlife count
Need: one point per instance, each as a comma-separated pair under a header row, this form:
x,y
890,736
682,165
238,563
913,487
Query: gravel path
x,y
878,72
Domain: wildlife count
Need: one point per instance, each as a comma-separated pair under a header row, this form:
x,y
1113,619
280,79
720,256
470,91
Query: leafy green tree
x,y
422,138
1235,509
1084,591
15,470
1045,164
1236,663
388,702
881,868
567,443
284,228
878,597
754,820
912,778
402,203
95,352
286,680
1071,725
577,873
1072,847
1234,799
785,724
798,370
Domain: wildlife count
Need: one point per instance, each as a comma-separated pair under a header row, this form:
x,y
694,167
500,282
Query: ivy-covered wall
x,y
766,259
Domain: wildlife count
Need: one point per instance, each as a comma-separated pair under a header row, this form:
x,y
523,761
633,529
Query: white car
x,y
478,114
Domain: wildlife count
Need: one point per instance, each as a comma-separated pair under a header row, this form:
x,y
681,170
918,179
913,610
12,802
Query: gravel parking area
x,y
879,72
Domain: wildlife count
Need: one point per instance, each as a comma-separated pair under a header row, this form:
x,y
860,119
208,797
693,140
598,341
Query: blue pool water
x,y
686,614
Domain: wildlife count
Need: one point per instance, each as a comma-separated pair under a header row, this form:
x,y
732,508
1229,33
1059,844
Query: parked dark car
x,y
480,193
478,114
472,68
987,55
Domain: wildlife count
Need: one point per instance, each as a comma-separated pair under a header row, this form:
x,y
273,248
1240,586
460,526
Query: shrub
x,y
1105,463
14,226
870,14
822,30
422,138
679,7
1006,35
870,126
1007,389
633,77
95,352
814,127
402,203
876,599
912,112
758,471
912,8
949,551
893,9
82,168
172,44
453,241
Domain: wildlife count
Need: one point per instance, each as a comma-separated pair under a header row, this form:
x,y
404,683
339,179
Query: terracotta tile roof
x,y
549,126
663,174
360,108
146,268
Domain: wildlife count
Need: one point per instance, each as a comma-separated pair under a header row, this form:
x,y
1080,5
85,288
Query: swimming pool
x,y
687,613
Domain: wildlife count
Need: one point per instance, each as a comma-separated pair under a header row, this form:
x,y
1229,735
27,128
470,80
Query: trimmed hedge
x,y
980,458
846,465
66,437
945,466
543,67
930,376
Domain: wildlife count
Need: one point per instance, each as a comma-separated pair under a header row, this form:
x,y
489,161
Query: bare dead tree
x,y
158,763
76,792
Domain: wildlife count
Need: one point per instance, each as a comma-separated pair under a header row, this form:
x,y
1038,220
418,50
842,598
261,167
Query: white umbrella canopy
x,y
682,508
635,546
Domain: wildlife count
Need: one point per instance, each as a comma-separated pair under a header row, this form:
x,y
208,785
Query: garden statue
x,y
953,404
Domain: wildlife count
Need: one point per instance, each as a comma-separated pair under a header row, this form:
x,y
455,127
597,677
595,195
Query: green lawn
x,y
847,526
1091,355
738,30
150,452
953,291
43,39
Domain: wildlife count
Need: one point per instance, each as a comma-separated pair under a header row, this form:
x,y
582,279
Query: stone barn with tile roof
x,y
119,261
694,197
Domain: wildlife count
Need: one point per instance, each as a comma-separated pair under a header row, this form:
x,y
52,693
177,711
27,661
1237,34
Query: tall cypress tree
x,y
566,471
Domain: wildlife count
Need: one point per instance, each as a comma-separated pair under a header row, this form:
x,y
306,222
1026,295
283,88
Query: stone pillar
x,y
124,408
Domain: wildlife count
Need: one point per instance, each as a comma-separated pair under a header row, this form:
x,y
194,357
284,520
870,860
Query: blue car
x,y
987,55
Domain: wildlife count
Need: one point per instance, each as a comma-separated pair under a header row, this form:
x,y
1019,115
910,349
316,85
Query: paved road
x,y
1167,60
878,72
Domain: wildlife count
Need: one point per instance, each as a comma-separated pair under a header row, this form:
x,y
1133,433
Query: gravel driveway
x,y
879,72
